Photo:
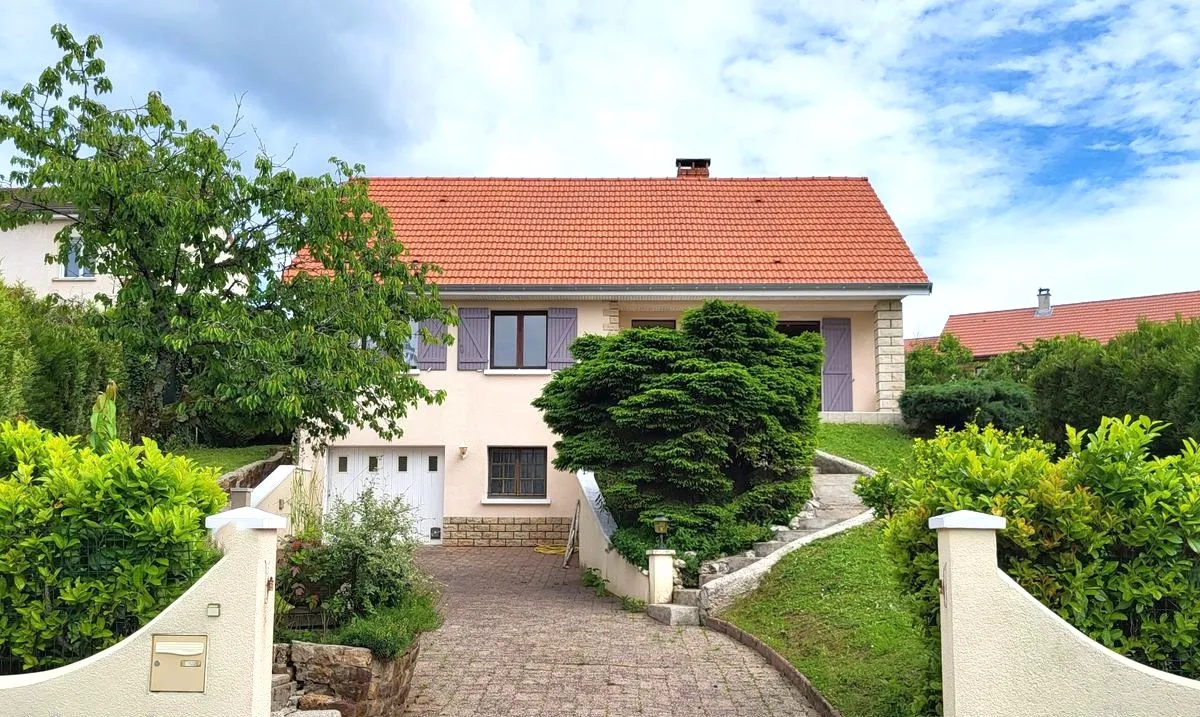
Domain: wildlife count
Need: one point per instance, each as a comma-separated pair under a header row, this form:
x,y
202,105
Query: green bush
x,y
94,545
1107,536
1003,404
389,632
73,363
16,364
944,361
878,492
711,425
358,562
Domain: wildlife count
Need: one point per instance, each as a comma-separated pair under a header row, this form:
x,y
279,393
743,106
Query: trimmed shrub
x,y
1107,537
1003,404
95,545
711,426
16,364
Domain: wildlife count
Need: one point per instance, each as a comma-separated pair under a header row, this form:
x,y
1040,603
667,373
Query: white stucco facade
x,y
492,408
23,254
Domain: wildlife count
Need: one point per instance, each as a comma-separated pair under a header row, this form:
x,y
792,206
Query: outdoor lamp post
x,y
660,527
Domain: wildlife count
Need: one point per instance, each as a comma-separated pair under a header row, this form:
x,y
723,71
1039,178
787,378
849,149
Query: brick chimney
x,y
692,167
1043,307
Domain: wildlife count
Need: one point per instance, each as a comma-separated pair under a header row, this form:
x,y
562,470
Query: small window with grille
x,y
343,464
516,472
402,464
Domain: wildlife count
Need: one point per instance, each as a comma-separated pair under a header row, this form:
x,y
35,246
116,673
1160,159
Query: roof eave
x,y
744,290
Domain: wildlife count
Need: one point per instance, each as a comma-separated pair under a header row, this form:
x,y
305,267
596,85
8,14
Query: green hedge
x,y
94,546
1004,404
1107,536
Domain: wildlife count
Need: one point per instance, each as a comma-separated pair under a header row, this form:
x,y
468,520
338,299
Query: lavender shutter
x,y
561,328
472,339
431,357
836,377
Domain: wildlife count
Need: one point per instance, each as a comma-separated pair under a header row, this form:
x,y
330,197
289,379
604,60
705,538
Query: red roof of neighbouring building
x,y
990,333
910,344
669,231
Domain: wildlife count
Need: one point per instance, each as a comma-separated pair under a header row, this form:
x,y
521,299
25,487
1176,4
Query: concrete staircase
x,y
833,501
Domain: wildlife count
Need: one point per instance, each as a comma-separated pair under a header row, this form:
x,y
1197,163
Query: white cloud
x,y
895,91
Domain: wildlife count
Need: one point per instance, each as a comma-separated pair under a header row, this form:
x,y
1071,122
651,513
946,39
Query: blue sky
x,y
1017,145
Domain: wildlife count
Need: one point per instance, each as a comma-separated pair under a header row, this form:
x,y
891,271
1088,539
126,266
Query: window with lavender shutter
x,y
472,339
431,357
561,328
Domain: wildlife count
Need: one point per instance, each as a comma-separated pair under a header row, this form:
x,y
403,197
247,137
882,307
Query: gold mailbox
x,y
177,663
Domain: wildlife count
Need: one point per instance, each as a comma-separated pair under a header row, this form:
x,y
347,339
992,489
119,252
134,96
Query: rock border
x,y
785,668
251,474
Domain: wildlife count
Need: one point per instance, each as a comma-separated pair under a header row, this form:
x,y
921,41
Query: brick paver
x,y
523,637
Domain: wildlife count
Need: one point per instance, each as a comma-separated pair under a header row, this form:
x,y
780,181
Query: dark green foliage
x,y
942,362
73,362
1005,404
878,492
217,336
16,364
1106,536
711,425
94,545
387,633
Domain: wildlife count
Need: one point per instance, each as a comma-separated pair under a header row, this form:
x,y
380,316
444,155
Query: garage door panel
x,y
414,475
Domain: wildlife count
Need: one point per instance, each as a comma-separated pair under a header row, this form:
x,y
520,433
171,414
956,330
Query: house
x,y
23,253
529,264
990,333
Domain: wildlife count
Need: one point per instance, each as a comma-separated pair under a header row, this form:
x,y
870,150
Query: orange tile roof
x,y
910,344
666,231
995,332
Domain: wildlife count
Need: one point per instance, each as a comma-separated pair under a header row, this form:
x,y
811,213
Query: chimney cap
x,y
692,163
1043,292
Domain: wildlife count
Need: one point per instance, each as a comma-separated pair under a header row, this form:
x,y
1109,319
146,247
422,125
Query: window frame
x,y
82,273
519,364
517,494
653,324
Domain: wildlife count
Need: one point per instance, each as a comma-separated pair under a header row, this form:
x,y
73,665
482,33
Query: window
x,y
73,269
343,464
795,328
433,464
410,348
518,339
516,472
652,324
402,464
373,464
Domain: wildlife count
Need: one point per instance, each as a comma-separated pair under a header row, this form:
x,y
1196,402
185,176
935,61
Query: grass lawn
x,y
226,459
834,610
874,446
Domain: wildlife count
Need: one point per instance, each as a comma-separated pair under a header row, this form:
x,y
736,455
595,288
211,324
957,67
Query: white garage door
x,y
414,474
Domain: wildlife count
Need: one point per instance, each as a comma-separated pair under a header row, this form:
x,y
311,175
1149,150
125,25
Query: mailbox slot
x,y
178,663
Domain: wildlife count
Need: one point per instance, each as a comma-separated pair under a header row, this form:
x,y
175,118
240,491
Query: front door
x,y
837,392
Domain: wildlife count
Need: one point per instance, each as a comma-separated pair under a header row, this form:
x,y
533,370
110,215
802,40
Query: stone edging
x,y
785,668
251,474
836,464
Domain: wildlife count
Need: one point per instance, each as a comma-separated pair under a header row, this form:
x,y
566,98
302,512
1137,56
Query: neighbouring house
x,y
23,253
990,333
529,264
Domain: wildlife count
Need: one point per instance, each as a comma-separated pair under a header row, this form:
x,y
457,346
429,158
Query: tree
x,y
711,425
947,360
197,245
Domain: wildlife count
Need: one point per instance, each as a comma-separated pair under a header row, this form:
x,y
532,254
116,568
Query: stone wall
x,y
349,680
505,532
889,354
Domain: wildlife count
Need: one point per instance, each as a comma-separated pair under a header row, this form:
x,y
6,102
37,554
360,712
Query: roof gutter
x,y
626,291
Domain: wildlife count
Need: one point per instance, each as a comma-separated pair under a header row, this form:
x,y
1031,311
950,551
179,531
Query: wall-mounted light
x,y
462,451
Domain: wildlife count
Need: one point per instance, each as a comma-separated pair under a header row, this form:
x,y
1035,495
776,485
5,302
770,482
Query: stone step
x,y
767,547
674,614
689,597
819,523
282,689
706,579
787,536
737,562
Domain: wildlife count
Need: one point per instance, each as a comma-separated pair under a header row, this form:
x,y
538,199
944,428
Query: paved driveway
x,y
523,637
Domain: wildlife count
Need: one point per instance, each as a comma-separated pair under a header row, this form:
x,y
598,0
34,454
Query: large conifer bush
x,y
711,425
